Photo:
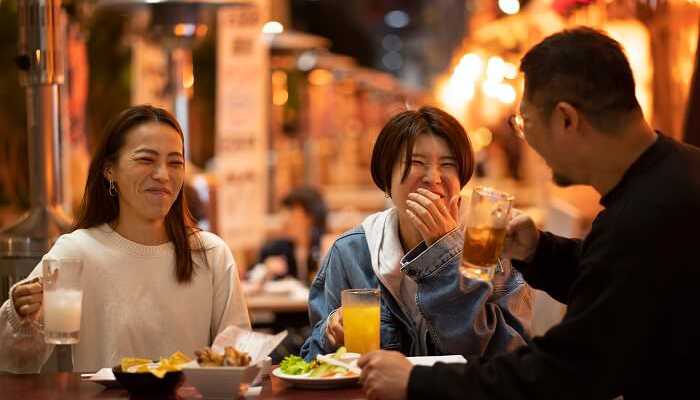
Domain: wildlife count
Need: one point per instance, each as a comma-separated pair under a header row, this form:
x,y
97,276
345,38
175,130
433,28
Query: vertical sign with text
x,y
241,123
149,74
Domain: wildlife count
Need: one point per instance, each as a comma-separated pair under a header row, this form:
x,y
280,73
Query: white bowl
x,y
220,382
265,369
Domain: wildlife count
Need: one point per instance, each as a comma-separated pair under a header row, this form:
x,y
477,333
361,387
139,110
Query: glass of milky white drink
x,y
63,297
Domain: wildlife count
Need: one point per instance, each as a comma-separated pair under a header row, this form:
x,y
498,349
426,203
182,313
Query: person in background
x,y
630,285
297,253
421,160
153,284
198,209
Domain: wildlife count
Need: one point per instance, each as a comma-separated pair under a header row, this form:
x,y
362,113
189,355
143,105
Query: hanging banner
x,y
149,72
242,98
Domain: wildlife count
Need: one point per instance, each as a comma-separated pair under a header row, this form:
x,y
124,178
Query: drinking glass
x,y
485,233
62,303
361,319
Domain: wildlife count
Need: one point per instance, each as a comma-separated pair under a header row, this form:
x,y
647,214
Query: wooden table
x,y
274,388
68,386
276,303
276,313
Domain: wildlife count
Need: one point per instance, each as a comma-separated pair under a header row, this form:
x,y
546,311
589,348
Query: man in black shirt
x,y
631,286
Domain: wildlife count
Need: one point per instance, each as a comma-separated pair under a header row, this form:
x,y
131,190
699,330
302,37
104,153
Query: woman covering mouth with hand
x,y
421,160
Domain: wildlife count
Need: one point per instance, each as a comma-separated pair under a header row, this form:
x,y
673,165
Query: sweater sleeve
x,y
22,347
228,302
553,269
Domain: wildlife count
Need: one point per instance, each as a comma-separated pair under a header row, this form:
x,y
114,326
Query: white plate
x,y
429,361
103,377
282,287
307,382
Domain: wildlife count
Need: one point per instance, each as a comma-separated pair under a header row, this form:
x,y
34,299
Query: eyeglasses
x,y
517,124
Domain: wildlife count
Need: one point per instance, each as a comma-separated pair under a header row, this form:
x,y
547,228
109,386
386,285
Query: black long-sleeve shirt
x,y
633,293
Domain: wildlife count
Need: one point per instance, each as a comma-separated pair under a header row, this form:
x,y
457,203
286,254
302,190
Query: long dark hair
x,y
98,207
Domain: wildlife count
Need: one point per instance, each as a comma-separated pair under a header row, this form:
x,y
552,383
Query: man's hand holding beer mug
x,y
522,237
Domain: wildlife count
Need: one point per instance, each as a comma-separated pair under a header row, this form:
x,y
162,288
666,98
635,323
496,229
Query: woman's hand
x,y
334,329
27,298
430,215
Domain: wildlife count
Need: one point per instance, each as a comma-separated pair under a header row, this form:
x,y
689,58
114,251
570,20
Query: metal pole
x,y
182,80
24,243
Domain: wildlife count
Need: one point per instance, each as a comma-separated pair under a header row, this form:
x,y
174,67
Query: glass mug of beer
x,y
361,319
62,302
485,233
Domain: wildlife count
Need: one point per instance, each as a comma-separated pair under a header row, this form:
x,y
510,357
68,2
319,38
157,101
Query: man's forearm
x,y
554,267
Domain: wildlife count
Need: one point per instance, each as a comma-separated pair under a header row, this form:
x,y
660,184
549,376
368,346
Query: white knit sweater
x,y
132,303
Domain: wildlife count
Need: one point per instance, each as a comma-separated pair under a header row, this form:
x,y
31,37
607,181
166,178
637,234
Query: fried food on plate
x,y
231,358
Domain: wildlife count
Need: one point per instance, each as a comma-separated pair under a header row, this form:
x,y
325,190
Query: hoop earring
x,y
112,189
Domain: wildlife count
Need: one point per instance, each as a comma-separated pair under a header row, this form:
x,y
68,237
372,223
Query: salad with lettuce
x,y
295,365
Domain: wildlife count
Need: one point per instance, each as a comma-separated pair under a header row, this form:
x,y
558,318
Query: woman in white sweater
x,y
152,283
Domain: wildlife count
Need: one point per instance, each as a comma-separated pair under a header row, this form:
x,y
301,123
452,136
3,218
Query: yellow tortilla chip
x,y
128,362
139,368
166,365
159,369
159,372
178,358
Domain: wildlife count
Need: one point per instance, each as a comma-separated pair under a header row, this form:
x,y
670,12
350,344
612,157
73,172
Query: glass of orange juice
x,y
361,319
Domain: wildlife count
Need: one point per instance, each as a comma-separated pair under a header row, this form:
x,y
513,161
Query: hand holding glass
x,y
485,232
62,303
361,319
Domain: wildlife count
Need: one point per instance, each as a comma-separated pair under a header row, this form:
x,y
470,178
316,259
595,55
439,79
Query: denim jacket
x,y
488,318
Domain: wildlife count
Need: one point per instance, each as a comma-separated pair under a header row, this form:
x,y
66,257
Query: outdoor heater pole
x,y
41,62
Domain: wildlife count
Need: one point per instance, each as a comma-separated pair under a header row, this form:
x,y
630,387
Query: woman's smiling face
x,y
149,171
433,167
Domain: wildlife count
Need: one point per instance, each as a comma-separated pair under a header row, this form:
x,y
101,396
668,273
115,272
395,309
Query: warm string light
x,y
481,138
509,7
470,73
320,77
273,27
279,88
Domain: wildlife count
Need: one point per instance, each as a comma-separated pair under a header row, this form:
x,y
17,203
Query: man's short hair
x,y
400,133
585,68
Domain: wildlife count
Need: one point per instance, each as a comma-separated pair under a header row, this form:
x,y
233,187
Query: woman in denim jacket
x,y
421,159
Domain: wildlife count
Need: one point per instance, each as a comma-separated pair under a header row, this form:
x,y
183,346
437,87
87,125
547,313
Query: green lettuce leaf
x,y
294,365
340,353
325,370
